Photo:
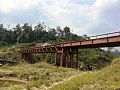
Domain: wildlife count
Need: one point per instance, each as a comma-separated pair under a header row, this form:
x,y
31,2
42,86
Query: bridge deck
x,y
95,42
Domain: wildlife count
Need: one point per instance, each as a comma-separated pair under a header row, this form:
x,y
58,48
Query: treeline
x,y
26,33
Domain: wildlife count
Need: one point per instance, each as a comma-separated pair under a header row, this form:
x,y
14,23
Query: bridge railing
x,y
105,35
91,37
87,38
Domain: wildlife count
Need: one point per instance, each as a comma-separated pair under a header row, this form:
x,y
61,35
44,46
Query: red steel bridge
x,y
65,52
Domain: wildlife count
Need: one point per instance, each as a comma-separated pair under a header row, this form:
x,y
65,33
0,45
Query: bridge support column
x,y
77,61
72,60
66,55
62,57
57,58
71,53
66,60
55,63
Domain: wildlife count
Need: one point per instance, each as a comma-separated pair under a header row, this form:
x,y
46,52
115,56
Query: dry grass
x,y
35,75
105,79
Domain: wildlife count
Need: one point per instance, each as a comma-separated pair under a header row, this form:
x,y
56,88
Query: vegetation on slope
x,y
105,79
39,75
11,53
98,58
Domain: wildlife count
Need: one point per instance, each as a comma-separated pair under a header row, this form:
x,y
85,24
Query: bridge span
x,y
64,52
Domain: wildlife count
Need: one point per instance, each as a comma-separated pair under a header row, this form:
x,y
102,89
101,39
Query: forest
x,y
26,33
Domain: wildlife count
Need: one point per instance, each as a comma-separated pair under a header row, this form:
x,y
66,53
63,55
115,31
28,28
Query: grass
x,y
33,75
41,75
105,79
29,76
11,54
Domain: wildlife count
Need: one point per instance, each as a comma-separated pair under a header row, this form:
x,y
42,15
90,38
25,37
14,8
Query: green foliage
x,y
96,57
105,79
50,58
27,34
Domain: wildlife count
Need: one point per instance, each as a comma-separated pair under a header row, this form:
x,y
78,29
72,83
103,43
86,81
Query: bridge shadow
x,y
29,58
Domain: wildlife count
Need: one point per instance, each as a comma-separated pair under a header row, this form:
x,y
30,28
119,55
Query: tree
x,y
67,33
109,51
3,34
39,29
60,34
52,34
26,34
17,33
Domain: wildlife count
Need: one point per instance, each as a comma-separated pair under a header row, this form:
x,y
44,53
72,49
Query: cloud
x,y
83,16
10,5
104,17
67,13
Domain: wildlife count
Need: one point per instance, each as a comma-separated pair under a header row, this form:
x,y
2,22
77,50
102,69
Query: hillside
x,y
11,53
42,76
31,76
106,79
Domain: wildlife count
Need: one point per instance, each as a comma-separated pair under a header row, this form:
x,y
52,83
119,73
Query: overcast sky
x,y
83,16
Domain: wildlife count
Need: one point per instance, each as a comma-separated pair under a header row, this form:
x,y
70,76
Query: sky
x,y
89,17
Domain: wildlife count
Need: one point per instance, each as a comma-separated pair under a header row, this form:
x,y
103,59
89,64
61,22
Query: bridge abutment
x,y
28,57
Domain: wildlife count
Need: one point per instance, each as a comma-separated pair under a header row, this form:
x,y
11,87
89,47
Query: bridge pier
x,y
71,53
67,57
62,58
77,61
55,62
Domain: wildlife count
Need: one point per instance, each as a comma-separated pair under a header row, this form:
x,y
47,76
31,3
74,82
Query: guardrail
x,y
105,35
87,38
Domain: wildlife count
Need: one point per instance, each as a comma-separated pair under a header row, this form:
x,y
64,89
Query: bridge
x,y
66,54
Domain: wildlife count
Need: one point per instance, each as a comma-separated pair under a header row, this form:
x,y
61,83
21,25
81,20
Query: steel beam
x,y
66,60
55,58
62,57
77,62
